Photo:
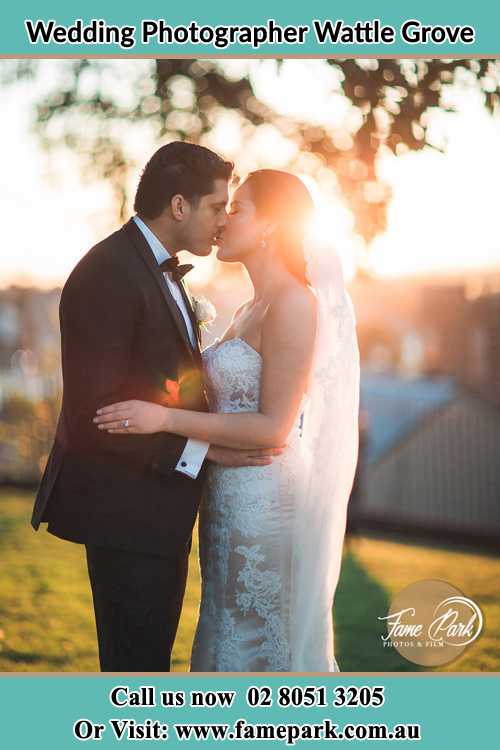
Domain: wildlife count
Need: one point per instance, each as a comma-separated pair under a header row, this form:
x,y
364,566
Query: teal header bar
x,y
224,28
450,711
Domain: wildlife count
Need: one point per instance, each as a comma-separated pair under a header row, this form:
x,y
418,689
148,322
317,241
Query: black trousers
x,y
137,605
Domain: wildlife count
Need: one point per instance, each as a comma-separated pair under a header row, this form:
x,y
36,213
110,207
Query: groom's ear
x,y
179,207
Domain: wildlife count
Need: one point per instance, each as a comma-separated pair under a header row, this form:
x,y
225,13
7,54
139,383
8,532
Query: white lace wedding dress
x,y
245,527
271,537
245,536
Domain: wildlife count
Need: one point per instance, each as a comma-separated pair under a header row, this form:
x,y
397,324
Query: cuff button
x,y
183,463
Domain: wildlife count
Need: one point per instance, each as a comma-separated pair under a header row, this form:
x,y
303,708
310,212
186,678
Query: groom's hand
x,y
236,457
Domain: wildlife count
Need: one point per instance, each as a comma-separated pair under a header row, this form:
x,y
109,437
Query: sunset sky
x,y
443,214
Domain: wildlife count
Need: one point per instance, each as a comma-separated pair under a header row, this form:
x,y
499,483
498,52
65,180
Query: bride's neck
x,y
266,274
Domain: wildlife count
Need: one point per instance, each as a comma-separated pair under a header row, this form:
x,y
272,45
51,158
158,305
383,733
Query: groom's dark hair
x,y
178,168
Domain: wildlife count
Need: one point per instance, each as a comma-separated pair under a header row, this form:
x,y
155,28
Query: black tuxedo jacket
x,y
122,337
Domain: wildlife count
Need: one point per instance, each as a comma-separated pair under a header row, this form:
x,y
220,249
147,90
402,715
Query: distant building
x,y
432,326
481,366
29,342
431,459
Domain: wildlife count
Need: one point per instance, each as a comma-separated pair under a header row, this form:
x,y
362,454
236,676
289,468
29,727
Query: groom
x,y
128,330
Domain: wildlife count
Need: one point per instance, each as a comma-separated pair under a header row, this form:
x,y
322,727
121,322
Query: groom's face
x,y
206,220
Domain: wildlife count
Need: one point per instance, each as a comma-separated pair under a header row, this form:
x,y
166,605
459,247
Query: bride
x,y
285,372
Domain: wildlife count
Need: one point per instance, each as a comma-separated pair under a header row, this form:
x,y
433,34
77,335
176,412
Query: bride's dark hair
x,y
283,197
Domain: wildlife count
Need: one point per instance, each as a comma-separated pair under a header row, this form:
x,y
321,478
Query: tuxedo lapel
x,y
141,245
189,304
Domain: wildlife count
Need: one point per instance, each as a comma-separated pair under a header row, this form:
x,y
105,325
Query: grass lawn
x,y
46,617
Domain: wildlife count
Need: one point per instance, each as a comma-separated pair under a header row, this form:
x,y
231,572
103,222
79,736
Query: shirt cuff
x,y
192,458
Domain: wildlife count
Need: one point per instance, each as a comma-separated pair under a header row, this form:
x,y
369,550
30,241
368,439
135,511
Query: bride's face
x,y
244,231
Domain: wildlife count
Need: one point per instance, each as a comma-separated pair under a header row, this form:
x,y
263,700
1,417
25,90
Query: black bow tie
x,y
172,266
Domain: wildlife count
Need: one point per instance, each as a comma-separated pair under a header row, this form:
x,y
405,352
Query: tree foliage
x,y
177,98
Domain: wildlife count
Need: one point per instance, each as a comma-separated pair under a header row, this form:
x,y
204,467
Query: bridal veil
x,y
329,451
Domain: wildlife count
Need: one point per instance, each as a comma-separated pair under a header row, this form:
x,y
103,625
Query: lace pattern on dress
x,y
241,582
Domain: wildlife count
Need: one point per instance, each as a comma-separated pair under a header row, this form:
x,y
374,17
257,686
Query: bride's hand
x,y
133,417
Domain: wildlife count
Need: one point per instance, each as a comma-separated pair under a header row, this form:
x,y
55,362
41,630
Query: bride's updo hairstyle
x,y
283,198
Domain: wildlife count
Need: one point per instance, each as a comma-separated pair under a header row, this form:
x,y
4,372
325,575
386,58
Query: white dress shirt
x,y
195,451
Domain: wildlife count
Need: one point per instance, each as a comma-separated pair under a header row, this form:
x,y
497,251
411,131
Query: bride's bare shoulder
x,y
293,310
295,300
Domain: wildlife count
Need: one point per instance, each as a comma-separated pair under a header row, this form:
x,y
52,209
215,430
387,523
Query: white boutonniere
x,y
204,311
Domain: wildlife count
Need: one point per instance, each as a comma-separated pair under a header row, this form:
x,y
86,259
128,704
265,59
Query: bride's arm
x,y
287,348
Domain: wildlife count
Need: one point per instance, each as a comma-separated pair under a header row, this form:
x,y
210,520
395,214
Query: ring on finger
x,y
125,423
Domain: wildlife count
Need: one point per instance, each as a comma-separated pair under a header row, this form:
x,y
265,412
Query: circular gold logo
x,y
431,622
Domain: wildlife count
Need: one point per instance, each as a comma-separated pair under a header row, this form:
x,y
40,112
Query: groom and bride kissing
x,y
256,435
